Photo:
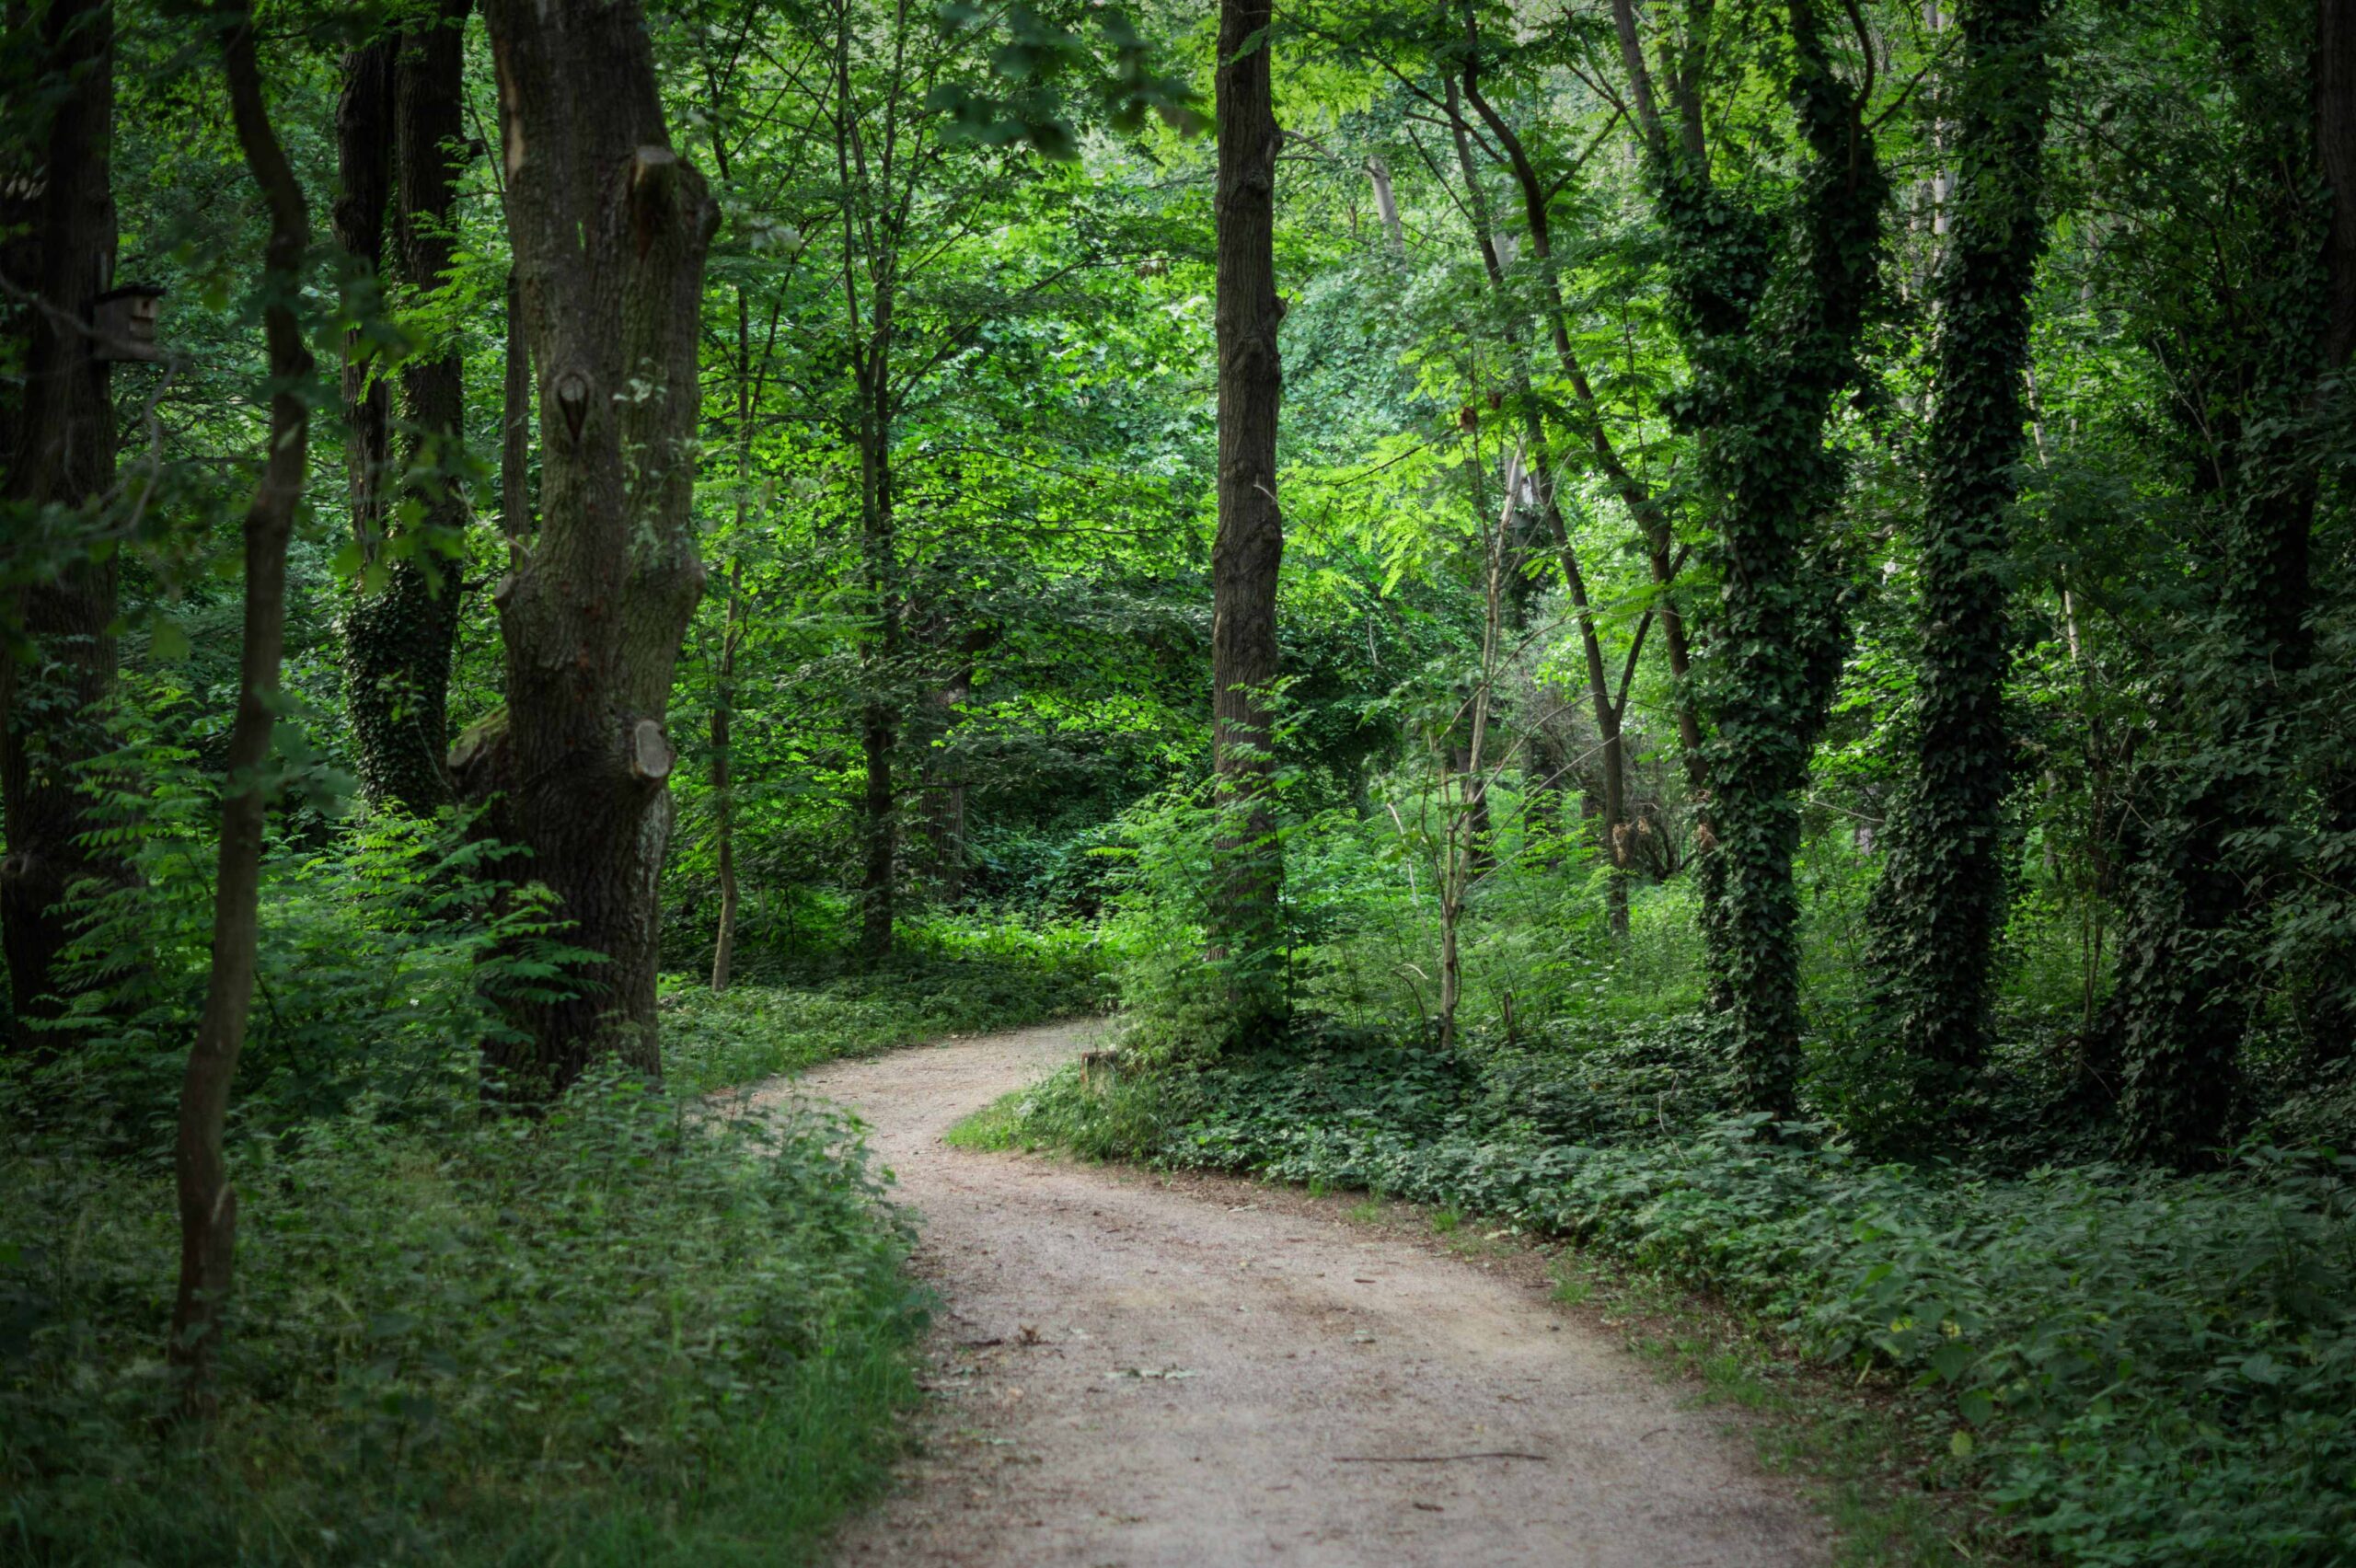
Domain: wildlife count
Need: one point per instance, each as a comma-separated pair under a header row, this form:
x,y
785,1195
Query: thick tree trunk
x,y
2193,981
516,516
62,457
398,634
363,139
610,229
1770,381
208,1204
1244,923
1941,902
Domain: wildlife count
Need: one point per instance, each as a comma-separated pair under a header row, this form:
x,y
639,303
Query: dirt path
x,y
1136,1374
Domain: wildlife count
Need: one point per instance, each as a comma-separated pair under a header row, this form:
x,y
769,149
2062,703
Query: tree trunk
x,y
1770,382
610,229
1386,205
945,788
1941,902
63,457
1643,506
516,516
2217,864
398,633
1244,923
208,1204
878,726
724,789
364,137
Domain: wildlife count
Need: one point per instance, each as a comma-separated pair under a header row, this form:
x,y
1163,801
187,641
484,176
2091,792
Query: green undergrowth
x,y
626,1333
633,1330
950,976
2129,1369
1888,1492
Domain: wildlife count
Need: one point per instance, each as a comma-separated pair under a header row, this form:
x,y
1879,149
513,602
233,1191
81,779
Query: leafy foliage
x,y
2144,1368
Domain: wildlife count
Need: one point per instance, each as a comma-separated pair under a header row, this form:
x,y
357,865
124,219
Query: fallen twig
x,y
1434,1459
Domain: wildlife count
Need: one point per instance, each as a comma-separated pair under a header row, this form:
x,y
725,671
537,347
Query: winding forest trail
x,y
1134,1372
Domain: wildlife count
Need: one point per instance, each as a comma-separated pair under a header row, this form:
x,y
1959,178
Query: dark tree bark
x,y
398,633
610,229
363,130
945,782
62,459
2331,982
516,518
1244,922
1941,902
2191,977
208,1203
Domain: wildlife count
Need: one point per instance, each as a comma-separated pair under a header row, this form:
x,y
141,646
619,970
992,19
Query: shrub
x,y
630,1332
2147,1369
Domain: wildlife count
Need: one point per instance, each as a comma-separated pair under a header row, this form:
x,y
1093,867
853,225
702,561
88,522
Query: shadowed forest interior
x,y
1714,634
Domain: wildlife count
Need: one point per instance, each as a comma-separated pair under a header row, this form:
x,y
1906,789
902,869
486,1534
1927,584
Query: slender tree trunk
x,y
723,788
1643,506
62,457
208,1203
1941,902
723,794
610,228
878,726
402,109
1386,205
1244,922
945,790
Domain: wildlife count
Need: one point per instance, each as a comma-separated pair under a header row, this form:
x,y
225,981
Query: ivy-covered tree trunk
x,y
62,462
1245,925
2191,977
1720,257
610,228
2331,980
1941,902
208,1203
1766,375
401,112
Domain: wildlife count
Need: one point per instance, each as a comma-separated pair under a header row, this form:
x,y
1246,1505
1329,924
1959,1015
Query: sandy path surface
x,y
1147,1374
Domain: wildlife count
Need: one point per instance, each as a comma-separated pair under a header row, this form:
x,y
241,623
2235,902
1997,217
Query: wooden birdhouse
x,y
124,321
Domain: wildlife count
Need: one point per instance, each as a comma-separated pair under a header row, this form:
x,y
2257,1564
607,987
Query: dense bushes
x,y
626,1330
633,1329
2149,1369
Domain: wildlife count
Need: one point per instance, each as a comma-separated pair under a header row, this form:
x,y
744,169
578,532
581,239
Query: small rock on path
x,y
1127,1372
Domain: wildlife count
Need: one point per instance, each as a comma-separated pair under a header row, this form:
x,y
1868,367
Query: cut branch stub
x,y
571,390
654,175
649,750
